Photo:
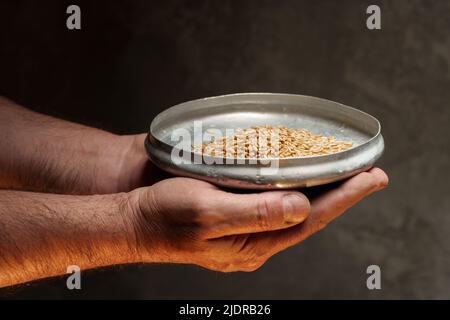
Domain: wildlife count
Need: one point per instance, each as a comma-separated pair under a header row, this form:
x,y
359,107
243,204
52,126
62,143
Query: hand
x,y
133,168
183,220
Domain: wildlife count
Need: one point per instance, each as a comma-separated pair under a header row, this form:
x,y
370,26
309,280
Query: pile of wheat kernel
x,y
260,142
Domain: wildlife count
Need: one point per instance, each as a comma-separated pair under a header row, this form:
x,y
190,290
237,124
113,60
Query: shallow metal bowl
x,y
245,110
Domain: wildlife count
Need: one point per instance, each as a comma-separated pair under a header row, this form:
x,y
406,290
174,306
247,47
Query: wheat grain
x,y
272,142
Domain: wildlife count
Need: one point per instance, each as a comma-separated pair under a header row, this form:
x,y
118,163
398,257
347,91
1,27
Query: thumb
x,y
258,212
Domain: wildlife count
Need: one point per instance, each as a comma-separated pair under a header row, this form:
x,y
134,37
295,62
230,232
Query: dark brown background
x,y
133,59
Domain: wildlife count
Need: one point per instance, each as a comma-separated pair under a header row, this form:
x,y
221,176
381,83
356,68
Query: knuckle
x,y
253,265
227,267
252,258
263,214
211,264
221,267
243,264
199,204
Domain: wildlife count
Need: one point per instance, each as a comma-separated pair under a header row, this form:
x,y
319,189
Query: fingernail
x,y
295,208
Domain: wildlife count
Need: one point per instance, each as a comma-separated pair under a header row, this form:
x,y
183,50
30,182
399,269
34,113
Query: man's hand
x,y
176,220
183,220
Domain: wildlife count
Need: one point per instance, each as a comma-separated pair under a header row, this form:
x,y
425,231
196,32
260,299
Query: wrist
x,y
122,222
150,233
130,168
126,165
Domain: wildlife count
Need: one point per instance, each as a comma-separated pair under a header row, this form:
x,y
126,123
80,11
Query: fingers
x,y
326,208
232,214
233,232
335,202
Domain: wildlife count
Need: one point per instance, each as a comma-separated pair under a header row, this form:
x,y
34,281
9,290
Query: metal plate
x,y
245,110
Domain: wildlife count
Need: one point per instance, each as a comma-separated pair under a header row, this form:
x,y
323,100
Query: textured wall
x,y
133,59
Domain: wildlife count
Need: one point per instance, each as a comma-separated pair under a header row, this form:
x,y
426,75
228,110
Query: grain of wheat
x,y
272,142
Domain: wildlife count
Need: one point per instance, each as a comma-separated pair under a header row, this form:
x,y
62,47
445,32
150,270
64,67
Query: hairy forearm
x,y
42,234
42,153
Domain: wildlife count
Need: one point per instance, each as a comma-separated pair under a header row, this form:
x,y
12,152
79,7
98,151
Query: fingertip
x,y
381,178
362,184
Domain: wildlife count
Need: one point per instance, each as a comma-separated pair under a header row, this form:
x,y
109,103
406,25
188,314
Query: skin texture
x,y
193,221
78,195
